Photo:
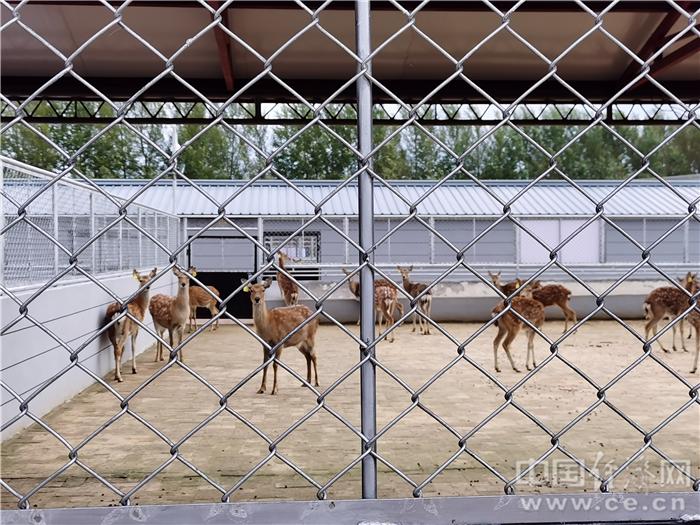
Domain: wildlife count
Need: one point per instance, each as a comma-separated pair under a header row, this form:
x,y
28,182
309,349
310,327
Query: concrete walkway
x,y
226,449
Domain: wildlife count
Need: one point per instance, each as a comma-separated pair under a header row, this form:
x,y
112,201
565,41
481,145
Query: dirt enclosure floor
x,y
226,449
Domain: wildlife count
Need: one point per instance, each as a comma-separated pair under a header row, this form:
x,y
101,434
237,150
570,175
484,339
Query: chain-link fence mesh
x,y
228,437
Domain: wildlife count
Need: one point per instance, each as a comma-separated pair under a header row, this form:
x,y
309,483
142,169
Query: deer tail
x,y
647,311
294,297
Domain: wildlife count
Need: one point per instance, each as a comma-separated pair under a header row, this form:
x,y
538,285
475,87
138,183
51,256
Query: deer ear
x,y
154,271
135,274
193,271
267,282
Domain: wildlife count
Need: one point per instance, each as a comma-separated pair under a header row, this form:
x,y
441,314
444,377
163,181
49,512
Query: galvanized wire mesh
x,y
122,237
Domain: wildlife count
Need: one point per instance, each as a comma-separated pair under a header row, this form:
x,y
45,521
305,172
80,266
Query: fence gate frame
x,y
508,508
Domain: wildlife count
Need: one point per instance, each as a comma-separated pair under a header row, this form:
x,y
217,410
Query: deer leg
x,y
506,346
650,327
673,332
531,347
179,331
313,360
263,385
213,310
681,325
134,333
697,348
308,367
274,374
118,349
390,323
496,342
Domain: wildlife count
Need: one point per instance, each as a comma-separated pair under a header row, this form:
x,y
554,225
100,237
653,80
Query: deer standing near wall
x,y
506,289
288,288
274,325
668,301
126,327
171,313
509,326
425,303
200,298
354,287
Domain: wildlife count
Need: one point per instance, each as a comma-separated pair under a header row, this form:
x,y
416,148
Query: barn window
x,y
305,248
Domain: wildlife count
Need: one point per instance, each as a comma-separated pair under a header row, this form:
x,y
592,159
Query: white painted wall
x,y
73,312
584,248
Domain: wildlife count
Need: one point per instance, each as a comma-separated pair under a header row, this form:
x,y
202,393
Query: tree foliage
x,y
313,152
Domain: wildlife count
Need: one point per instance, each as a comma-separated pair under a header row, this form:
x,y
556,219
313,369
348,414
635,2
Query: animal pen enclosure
x,y
383,85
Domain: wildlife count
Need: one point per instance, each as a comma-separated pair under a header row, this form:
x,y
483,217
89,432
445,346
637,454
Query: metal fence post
x,y
368,407
54,206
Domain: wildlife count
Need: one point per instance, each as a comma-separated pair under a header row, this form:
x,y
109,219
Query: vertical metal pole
x,y
54,205
140,239
368,406
432,240
261,237
346,231
93,246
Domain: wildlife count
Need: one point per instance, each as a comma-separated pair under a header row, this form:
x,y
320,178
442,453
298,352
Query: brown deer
x,y
555,294
171,313
200,298
288,288
693,319
126,327
425,303
274,325
668,301
355,290
509,325
506,288
385,301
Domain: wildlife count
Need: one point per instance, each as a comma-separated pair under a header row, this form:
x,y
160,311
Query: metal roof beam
x,y
223,45
654,42
317,90
539,6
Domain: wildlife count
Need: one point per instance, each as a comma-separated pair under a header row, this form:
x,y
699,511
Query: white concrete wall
x,y
73,312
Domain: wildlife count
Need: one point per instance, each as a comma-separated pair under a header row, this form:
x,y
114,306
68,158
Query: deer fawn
x,y
668,301
200,298
385,301
509,325
555,294
274,325
171,313
288,288
506,289
425,303
355,290
120,330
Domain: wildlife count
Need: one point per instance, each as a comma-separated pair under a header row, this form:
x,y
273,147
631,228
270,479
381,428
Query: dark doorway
x,y
226,282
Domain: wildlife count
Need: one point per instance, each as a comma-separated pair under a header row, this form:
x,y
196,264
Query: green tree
x,y
209,155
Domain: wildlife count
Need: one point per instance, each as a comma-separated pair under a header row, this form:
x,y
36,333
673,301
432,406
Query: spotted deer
x,y
425,303
505,288
125,327
274,325
200,298
509,326
385,301
354,287
288,288
555,294
668,301
171,313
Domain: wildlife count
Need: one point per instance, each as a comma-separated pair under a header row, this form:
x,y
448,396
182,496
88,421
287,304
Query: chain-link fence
x,y
46,224
425,414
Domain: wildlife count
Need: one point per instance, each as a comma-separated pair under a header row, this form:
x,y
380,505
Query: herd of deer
x,y
273,325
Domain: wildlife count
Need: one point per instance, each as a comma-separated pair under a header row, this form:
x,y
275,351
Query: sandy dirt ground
x,y
426,439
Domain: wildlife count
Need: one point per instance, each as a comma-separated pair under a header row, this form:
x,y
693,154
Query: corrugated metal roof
x,y
458,198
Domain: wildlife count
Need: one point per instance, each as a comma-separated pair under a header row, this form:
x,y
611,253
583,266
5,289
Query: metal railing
x,y
94,216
